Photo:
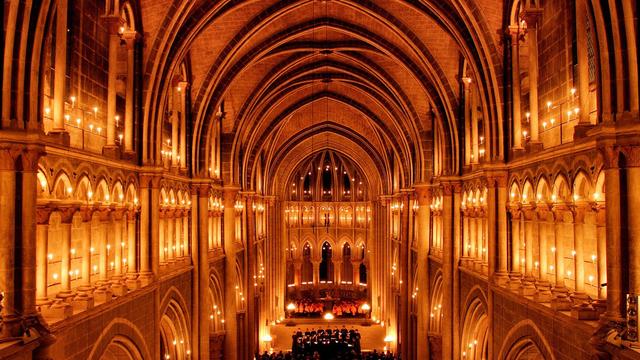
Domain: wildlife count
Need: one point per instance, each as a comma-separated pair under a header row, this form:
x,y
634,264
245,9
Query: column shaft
x,y
114,43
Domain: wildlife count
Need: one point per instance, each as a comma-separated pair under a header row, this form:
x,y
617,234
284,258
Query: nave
x,y
448,179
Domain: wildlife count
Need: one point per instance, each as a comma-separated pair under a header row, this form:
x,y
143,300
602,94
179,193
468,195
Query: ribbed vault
x,y
269,75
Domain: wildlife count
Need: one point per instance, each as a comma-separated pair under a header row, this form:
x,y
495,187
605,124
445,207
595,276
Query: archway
x,y
475,332
326,264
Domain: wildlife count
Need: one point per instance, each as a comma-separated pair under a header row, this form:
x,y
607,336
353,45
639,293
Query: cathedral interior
x,y
197,179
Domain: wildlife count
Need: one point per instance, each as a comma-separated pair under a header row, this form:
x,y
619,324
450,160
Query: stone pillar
x,y
531,17
183,124
560,292
601,259
515,275
583,61
466,82
203,270
230,312
84,298
474,131
163,248
496,205
632,155
132,264
316,272
528,288
175,142
447,272
543,285
9,315
42,262
514,32
616,301
146,275
113,25
337,271
355,264
60,77
27,243
117,280
65,257
169,235
130,38
102,292
578,247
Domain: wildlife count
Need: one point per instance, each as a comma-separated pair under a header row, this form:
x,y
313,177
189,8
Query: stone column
x,y
145,235
514,33
27,243
169,235
102,292
474,131
528,288
560,292
583,61
65,257
601,259
84,298
183,124
185,233
175,142
473,237
616,301
203,269
337,271
316,271
496,205
515,275
531,17
60,77
447,271
117,280
543,285
132,264
130,38
113,24
466,82
10,318
230,312
163,248
632,155
42,262
578,247
355,264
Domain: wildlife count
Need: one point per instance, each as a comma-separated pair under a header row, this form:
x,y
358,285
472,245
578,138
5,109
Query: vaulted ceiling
x,y
371,79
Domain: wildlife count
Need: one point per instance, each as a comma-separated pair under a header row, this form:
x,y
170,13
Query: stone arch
x,y
435,323
521,339
132,345
174,323
475,326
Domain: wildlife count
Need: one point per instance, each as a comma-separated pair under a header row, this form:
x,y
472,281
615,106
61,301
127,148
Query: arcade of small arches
x,y
197,179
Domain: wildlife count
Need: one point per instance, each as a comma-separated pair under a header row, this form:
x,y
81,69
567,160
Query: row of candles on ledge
x,y
107,197
554,197
83,115
572,113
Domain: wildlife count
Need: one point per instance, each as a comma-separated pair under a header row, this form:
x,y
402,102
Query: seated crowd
x,y
316,356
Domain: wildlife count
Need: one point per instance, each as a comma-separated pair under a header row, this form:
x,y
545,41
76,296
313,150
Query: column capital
x,y
631,155
515,32
449,188
114,24
229,193
42,215
29,157
8,155
531,15
130,37
423,194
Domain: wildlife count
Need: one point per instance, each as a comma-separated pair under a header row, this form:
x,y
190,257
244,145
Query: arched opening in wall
x,y
347,266
121,348
174,333
524,350
435,318
326,264
475,332
363,274
307,266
